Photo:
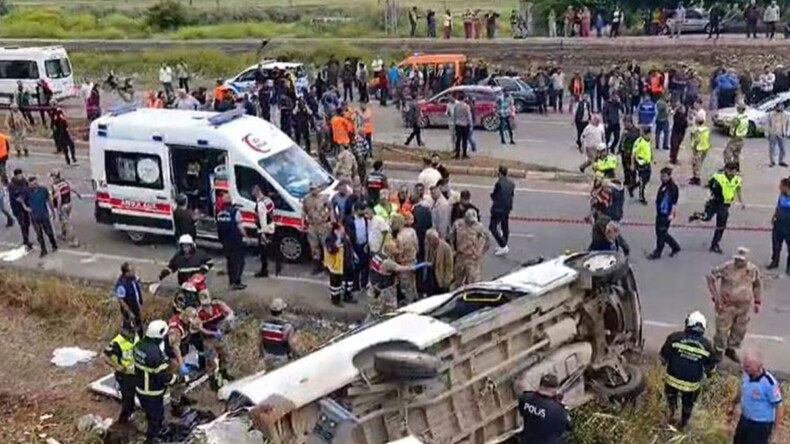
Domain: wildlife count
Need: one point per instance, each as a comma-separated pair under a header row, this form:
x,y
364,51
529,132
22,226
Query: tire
x,y
490,123
292,246
752,132
137,237
602,265
665,30
626,392
706,29
401,365
520,105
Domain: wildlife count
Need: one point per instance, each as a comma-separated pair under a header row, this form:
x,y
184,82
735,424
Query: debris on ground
x,y
91,423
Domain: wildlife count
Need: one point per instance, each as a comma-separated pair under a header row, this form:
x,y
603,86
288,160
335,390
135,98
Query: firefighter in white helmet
x,y
188,261
688,356
153,377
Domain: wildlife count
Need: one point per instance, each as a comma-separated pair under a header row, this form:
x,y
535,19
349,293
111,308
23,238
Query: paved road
x,y
670,288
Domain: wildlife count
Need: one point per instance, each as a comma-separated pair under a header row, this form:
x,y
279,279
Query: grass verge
x,y
206,64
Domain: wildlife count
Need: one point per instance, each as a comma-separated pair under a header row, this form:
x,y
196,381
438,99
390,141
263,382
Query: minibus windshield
x,y
295,170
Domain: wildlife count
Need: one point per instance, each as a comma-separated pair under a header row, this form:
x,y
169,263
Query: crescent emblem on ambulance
x,y
256,143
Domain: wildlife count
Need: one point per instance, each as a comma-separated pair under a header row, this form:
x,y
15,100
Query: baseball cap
x,y
741,254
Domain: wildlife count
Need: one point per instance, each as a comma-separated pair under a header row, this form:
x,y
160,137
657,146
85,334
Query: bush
x,y
166,15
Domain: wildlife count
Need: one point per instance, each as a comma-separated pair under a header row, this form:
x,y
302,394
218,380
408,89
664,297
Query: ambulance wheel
x,y
293,247
137,237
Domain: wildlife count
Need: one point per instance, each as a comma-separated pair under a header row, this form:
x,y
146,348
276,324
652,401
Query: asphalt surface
x,y
670,287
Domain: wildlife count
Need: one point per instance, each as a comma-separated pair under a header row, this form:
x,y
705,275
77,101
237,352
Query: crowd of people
x,y
583,21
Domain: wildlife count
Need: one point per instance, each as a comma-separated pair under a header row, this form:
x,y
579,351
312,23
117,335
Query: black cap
x,y
549,381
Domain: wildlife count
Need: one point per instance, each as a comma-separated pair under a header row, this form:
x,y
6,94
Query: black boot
x,y
349,298
715,249
336,301
772,266
732,354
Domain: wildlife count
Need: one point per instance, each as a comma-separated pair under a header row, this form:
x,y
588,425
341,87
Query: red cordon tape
x,y
630,223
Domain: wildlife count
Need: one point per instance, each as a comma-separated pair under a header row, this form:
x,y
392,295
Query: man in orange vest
x,y
4,149
655,84
367,126
342,128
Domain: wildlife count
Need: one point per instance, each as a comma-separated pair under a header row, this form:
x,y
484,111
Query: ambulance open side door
x,y
139,187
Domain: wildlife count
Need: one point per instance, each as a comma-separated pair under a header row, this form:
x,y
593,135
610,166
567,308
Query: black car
x,y
523,95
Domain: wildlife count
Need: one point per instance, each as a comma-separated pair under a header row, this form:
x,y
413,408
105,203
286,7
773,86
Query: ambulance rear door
x,y
139,187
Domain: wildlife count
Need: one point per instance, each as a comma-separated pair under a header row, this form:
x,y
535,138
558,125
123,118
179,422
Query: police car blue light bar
x,y
226,117
123,109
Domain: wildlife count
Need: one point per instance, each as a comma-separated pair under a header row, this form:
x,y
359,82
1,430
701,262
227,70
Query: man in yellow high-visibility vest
x,y
119,354
739,129
700,145
642,157
724,187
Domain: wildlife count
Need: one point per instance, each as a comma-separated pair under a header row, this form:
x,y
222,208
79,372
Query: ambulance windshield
x,y
295,170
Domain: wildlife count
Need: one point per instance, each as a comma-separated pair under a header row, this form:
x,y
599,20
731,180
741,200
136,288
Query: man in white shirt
x,y
186,101
592,136
166,78
378,228
771,17
766,82
677,24
558,88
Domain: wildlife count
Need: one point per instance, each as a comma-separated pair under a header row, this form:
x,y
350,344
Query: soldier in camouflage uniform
x,y
316,214
382,292
471,242
408,246
735,288
346,165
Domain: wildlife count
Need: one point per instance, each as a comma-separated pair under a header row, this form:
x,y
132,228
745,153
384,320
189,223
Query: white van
x,y
141,159
31,64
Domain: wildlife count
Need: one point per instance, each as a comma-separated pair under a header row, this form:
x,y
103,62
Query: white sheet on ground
x,y
70,356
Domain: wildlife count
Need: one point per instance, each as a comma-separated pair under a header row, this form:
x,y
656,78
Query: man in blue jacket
x,y
646,112
781,226
727,85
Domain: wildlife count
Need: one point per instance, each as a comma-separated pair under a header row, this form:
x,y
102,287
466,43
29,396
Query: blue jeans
x,y
662,128
775,142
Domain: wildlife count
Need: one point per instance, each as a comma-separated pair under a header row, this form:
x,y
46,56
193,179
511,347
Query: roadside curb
x,y
535,172
539,172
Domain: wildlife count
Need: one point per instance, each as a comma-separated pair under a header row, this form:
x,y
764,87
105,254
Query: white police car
x,y
244,80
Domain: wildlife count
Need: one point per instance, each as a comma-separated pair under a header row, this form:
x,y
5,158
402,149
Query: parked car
x,y
697,21
451,367
524,96
434,110
757,114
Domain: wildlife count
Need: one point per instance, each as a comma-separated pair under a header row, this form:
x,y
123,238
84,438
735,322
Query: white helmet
x,y
156,329
186,239
601,147
696,319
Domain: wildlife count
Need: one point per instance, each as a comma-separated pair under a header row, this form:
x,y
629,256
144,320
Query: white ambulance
x,y
141,159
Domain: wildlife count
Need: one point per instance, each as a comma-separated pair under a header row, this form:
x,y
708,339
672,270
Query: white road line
x,y
521,190
522,235
748,335
530,140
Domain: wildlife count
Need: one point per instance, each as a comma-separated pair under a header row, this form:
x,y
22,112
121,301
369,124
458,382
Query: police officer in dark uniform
x,y
546,421
130,297
724,187
231,235
119,354
376,181
153,378
188,261
276,337
688,356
